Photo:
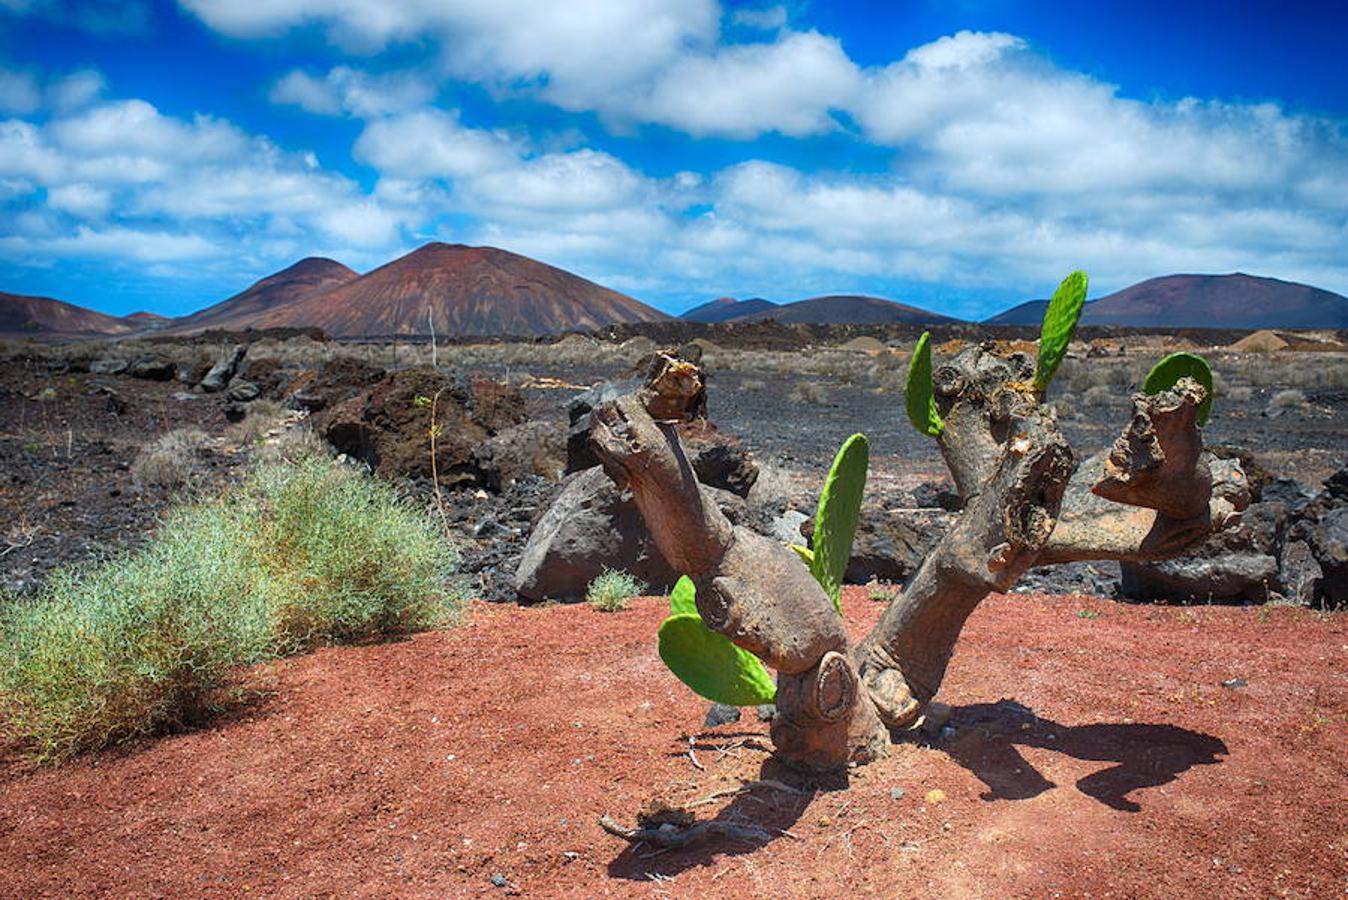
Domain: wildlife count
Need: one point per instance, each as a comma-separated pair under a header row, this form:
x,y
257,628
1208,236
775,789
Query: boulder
x,y
890,544
1299,573
1336,486
786,527
530,448
1094,579
152,368
579,456
242,392
592,525
1328,542
1288,491
220,375
1238,565
726,466
109,366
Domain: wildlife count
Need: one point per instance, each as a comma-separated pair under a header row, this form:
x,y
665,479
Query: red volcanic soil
x,y
467,290
1091,757
840,309
23,316
311,275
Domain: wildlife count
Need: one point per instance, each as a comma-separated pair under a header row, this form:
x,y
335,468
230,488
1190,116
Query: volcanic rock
x,y
109,366
726,466
223,371
1328,541
591,526
388,426
152,368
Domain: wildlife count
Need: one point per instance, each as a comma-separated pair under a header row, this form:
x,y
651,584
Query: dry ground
x,y
1095,753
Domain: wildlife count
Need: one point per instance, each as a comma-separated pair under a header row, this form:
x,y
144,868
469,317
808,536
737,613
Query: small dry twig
x,y
745,788
692,756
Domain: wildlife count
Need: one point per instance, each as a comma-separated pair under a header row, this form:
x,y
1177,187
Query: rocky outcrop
x,y
220,374
388,426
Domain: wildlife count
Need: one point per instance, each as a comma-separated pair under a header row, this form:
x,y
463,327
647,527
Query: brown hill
x,y
846,309
1204,301
311,275
724,309
468,291
22,316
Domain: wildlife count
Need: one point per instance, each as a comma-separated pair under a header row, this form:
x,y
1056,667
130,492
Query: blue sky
x,y
961,156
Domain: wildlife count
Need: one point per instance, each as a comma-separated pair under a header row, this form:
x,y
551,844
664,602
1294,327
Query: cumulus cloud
x,y
432,143
741,91
119,179
348,90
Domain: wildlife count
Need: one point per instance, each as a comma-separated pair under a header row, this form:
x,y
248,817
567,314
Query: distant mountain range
x,y
1203,301
485,291
22,316
846,309
726,309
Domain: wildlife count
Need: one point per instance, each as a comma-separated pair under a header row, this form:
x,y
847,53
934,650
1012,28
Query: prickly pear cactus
x,y
919,395
1168,371
1060,323
835,523
707,661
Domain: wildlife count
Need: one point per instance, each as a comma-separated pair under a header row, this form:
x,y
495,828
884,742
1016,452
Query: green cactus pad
x,y
919,395
835,523
1164,375
683,599
1060,323
712,666
806,555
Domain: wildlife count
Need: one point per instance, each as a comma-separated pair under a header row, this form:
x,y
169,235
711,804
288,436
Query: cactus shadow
x,y
988,735
763,808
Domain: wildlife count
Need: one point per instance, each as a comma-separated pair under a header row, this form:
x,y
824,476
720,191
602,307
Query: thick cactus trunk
x,y
1023,507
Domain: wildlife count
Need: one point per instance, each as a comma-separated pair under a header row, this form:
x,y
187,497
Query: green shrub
x,y
611,589
300,554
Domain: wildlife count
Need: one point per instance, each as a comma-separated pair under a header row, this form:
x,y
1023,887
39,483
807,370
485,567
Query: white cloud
x,y
431,143
742,91
352,91
766,19
135,127
120,180
75,90
584,180
114,244
82,200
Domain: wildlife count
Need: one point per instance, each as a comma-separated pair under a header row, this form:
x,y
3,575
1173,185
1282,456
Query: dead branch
x,y
671,837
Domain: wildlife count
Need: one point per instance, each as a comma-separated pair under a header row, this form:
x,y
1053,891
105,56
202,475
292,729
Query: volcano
x,y
462,290
311,275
